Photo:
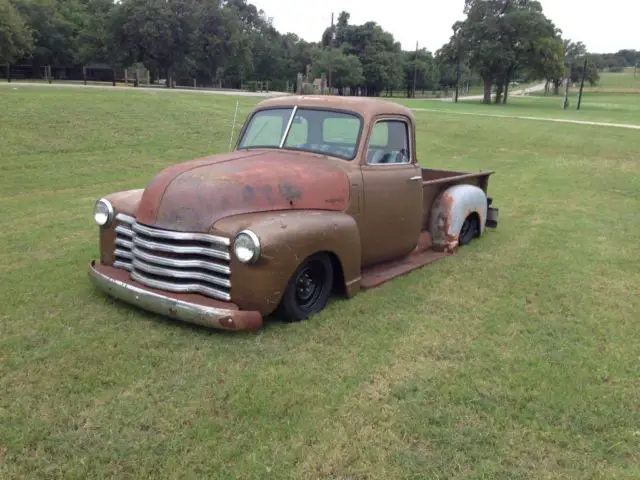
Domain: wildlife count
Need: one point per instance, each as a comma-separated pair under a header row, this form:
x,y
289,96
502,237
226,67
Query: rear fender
x,y
286,239
450,210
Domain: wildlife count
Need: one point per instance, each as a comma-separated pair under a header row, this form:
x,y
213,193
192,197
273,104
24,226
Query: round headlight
x,y
103,212
247,247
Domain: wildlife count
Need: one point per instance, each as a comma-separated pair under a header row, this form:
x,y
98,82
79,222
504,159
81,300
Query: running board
x,y
422,255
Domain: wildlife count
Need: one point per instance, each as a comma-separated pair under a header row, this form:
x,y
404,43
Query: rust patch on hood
x,y
192,196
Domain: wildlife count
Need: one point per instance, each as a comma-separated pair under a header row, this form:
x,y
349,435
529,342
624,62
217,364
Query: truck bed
x,y
435,181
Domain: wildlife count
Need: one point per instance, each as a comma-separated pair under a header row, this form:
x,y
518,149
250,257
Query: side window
x,y
389,143
379,135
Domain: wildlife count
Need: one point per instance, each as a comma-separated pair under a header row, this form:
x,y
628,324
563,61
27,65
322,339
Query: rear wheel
x,y
470,230
308,290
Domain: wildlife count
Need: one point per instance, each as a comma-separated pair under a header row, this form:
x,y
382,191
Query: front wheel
x,y
308,290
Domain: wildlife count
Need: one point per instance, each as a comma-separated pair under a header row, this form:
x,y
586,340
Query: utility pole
x,y
457,35
330,53
415,71
565,102
457,74
584,74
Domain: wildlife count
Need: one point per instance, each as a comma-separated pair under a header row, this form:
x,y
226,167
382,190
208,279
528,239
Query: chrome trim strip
x,y
187,288
122,217
121,242
123,265
161,247
127,232
124,253
181,274
173,262
171,235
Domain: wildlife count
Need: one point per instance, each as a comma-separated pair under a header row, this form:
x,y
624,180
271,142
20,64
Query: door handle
x,y
416,178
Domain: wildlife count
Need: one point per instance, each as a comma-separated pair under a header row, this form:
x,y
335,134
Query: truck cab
x,y
322,195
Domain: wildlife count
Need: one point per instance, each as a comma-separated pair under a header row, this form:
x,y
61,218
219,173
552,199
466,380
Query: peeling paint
x,y
195,197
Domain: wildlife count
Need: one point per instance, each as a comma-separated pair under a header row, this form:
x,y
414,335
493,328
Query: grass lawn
x,y
614,100
519,357
627,81
598,107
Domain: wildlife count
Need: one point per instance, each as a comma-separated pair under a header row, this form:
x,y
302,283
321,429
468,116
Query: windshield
x,y
311,130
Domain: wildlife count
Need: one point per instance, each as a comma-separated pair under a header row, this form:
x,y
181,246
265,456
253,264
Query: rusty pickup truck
x,y
321,196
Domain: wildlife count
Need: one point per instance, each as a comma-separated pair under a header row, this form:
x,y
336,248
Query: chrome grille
x,y
180,262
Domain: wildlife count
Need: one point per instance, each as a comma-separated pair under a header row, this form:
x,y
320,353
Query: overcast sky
x,y
604,26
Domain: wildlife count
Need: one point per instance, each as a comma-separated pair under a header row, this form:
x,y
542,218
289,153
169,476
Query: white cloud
x,y
602,26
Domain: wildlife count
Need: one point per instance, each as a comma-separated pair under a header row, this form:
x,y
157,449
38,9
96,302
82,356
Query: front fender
x,y
286,239
123,202
450,210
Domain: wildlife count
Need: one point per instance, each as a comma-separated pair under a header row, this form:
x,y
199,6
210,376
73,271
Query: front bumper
x,y
186,307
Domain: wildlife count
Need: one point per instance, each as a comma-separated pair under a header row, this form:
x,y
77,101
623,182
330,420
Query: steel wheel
x,y
308,290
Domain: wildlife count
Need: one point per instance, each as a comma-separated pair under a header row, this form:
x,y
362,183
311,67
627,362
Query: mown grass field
x,y
627,81
615,100
519,357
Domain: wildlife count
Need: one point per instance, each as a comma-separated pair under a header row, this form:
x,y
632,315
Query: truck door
x,y
392,183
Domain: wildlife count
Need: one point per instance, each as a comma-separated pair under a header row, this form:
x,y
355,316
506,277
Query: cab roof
x,y
365,106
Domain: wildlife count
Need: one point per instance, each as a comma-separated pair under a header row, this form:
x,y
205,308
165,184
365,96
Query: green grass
x,y
614,100
598,107
516,358
620,82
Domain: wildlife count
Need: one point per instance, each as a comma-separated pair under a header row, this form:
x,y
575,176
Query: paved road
x,y
535,88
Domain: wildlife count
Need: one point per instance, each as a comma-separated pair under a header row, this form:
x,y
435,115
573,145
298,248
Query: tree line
x,y
231,42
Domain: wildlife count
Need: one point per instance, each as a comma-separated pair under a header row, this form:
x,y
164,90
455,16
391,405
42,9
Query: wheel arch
x,y
449,211
287,239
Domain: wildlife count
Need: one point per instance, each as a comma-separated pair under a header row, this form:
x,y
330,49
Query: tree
x,y
547,60
423,65
346,70
577,68
96,42
499,38
234,42
573,61
55,25
16,39
158,33
530,38
378,52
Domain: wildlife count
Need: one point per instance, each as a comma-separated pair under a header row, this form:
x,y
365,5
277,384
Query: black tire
x,y
308,290
470,229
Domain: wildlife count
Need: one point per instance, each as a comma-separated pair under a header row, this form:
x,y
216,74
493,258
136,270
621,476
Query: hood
x,y
192,196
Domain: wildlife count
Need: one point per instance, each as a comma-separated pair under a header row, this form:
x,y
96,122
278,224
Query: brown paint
x,y
266,181
372,219
123,202
287,238
151,199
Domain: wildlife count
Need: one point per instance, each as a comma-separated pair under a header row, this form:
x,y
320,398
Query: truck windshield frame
x,y
324,131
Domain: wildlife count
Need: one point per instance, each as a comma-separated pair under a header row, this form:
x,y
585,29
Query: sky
x,y
604,27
